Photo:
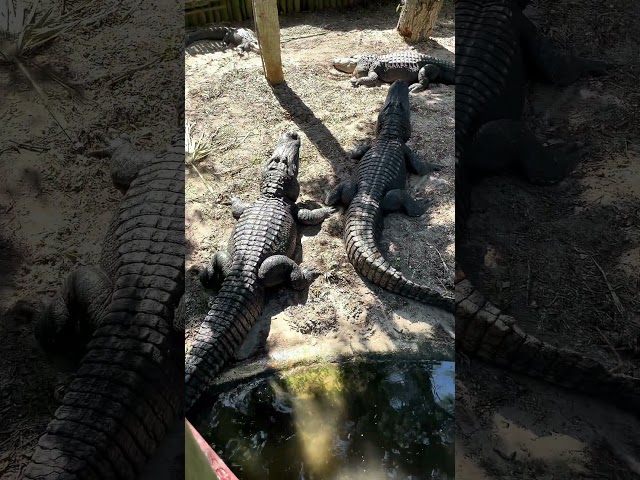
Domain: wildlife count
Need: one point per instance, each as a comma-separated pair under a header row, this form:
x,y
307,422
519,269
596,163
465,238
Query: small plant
x,y
196,150
22,35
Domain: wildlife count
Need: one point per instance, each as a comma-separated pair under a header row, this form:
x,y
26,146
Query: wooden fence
x,y
202,12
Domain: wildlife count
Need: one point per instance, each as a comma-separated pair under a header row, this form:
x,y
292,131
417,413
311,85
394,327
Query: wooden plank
x,y
265,13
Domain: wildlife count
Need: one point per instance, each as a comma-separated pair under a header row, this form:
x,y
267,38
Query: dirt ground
x,y
56,200
559,259
230,103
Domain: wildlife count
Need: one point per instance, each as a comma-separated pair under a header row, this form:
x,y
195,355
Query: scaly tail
x,y
364,222
483,331
213,33
235,310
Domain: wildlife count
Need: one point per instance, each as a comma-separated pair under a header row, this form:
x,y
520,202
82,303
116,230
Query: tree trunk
x,y
265,13
418,18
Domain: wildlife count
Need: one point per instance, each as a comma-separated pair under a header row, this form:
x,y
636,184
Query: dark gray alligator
x,y
497,48
259,256
417,69
127,391
378,188
244,39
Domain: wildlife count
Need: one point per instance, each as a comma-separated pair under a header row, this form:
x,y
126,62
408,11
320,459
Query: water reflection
x,y
353,420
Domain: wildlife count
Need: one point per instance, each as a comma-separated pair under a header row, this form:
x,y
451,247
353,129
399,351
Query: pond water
x,y
371,420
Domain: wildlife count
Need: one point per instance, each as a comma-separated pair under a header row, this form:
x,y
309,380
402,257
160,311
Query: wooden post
x,y
265,13
418,18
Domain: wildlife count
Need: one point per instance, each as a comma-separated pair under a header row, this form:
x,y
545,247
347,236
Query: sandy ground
x,y
56,200
229,101
537,253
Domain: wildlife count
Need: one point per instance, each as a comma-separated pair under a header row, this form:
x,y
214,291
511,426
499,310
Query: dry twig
x,y
614,296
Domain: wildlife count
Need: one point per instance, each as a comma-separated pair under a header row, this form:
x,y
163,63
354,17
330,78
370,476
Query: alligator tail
x,y
234,311
212,33
482,330
364,221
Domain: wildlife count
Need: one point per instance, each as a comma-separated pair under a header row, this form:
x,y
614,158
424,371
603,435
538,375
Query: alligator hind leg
x,y
342,193
555,66
427,74
400,200
218,268
279,269
66,324
418,166
502,144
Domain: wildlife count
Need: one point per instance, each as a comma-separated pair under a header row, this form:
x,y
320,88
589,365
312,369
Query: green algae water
x,y
370,420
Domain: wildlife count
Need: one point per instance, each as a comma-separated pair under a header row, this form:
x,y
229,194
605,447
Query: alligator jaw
x,y
346,65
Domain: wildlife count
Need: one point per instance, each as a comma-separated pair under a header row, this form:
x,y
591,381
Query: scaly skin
x,y
483,331
493,42
417,69
126,393
244,39
379,187
259,255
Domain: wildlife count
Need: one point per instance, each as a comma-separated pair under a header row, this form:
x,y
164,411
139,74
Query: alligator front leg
x,y
418,166
370,79
359,151
216,270
306,216
342,193
279,269
555,66
506,143
400,200
238,207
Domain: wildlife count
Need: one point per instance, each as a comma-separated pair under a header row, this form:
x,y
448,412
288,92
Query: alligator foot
x,y
279,269
400,200
555,66
212,274
342,193
65,325
359,150
504,144
306,216
418,166
417,88
369,80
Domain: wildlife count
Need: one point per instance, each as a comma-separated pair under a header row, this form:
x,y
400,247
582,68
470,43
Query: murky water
x,y
355,420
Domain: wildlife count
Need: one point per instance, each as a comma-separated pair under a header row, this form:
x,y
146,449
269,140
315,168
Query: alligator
x,y
378,188
126,395
244,39
418,69
497,48
259,256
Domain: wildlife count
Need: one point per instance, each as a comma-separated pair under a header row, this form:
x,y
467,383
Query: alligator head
x,y
346,65
359,66
394,118
280,173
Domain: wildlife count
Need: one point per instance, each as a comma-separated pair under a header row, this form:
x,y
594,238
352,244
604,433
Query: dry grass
x,y
229,102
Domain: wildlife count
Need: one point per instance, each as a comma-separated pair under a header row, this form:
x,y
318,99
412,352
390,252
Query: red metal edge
x,y
218,466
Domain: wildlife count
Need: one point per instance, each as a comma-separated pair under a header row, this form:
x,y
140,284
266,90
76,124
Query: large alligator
x,y
259,256
378,188
496,48
417,69
127,391
244,39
